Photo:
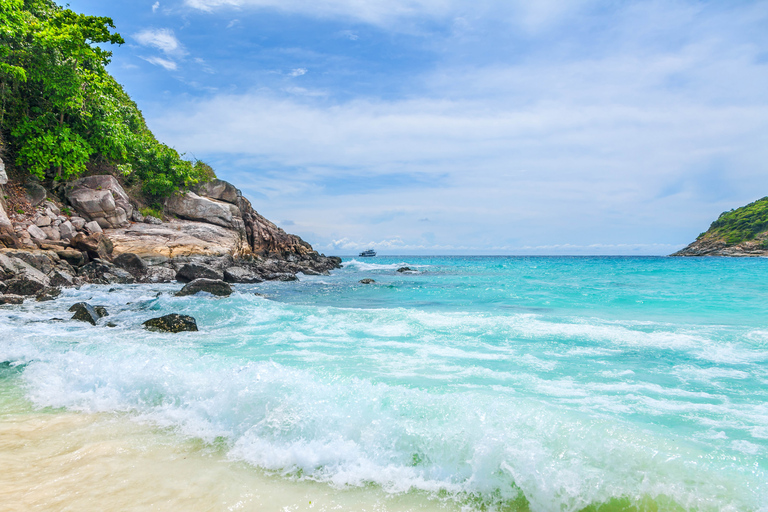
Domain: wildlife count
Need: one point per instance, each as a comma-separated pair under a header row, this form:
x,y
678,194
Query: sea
x,y
462,384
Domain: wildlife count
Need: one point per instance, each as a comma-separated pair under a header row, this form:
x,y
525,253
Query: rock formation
x,y
92,235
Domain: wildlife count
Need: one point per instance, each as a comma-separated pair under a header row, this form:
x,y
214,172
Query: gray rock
x,y
137,216
219,189
52,206
281,276
48,294
193,207
192,271
43,221
241,275
213,286
78,222
93,227
367,280
52,233
67,230
11,299
150,219
171,323
132,263
6,226
36,233
73,257
84,312
61,278
27,281
35,193
103,272
101,199
96,245
3,174
405,269
158,274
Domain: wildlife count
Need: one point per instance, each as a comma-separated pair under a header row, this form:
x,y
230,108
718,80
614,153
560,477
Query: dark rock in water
x,y
192,271
101,311
405,269
367,280
11,299
61,278
281,276
84,312
111,324
240,275
171,323
49,294
214,286
310,272
73,257
132,263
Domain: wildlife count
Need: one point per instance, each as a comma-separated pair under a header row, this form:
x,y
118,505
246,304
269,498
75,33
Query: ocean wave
x,y
366,266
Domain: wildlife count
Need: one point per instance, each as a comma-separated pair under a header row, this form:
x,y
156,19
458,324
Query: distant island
x,y
740,232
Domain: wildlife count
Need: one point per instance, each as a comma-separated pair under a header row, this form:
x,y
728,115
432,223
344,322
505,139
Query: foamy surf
x,y
488,409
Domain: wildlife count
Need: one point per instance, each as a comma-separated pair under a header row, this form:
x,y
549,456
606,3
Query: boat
x,y
370,253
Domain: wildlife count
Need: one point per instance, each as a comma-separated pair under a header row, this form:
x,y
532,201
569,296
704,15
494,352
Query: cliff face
x,y
740,232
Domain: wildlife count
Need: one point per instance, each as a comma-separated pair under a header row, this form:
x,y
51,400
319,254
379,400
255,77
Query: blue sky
x,y
442,126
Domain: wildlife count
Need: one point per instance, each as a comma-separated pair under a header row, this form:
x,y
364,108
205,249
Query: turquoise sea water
x,y
520,383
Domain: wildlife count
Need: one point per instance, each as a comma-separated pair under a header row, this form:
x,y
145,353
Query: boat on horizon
x,y
370,253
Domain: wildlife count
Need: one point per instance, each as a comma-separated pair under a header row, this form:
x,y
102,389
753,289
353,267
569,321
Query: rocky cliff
x,y
92,231
741,232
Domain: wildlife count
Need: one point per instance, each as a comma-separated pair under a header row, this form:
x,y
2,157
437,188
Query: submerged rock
x,y
171,323
214,286
367,280
84,312
405,269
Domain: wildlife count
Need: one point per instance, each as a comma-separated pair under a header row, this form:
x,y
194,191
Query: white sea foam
x,y
367,266
351,397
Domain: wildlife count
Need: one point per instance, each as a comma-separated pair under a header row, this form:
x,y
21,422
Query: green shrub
x,y
743,223
152,212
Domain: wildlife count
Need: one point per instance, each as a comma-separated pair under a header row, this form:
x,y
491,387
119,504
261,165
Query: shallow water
x,y
478,383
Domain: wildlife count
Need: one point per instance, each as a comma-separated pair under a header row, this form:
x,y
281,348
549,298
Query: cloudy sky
x,y
475,127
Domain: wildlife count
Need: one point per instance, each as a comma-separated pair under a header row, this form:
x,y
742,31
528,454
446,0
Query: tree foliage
x,y
60,107
741,224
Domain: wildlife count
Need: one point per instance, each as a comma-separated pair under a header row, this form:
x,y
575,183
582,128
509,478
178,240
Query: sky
x,y
458,127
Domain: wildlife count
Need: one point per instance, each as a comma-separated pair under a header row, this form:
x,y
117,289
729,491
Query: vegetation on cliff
x,y
61,110
740,225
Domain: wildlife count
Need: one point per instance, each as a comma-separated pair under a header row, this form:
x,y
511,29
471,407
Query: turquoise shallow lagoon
x,y
483,383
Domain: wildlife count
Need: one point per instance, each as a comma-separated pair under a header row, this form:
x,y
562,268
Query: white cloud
x,y
298,72
161,39
159,61
155,6
393,12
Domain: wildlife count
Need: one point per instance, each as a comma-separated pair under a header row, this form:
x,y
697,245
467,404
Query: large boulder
x,y
213,286
73,257
11,299
241,275
101,199
3,174
171,323
96,245
219,189
131,263
191,271
193,207
84,312
35,193
103,272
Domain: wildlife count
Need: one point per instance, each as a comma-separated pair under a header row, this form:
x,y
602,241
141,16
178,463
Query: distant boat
x,y
370,253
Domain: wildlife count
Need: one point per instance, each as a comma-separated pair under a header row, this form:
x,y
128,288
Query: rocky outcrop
x,y
171,323
101,199
212,286
190,206
218,231
717,246
84,312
